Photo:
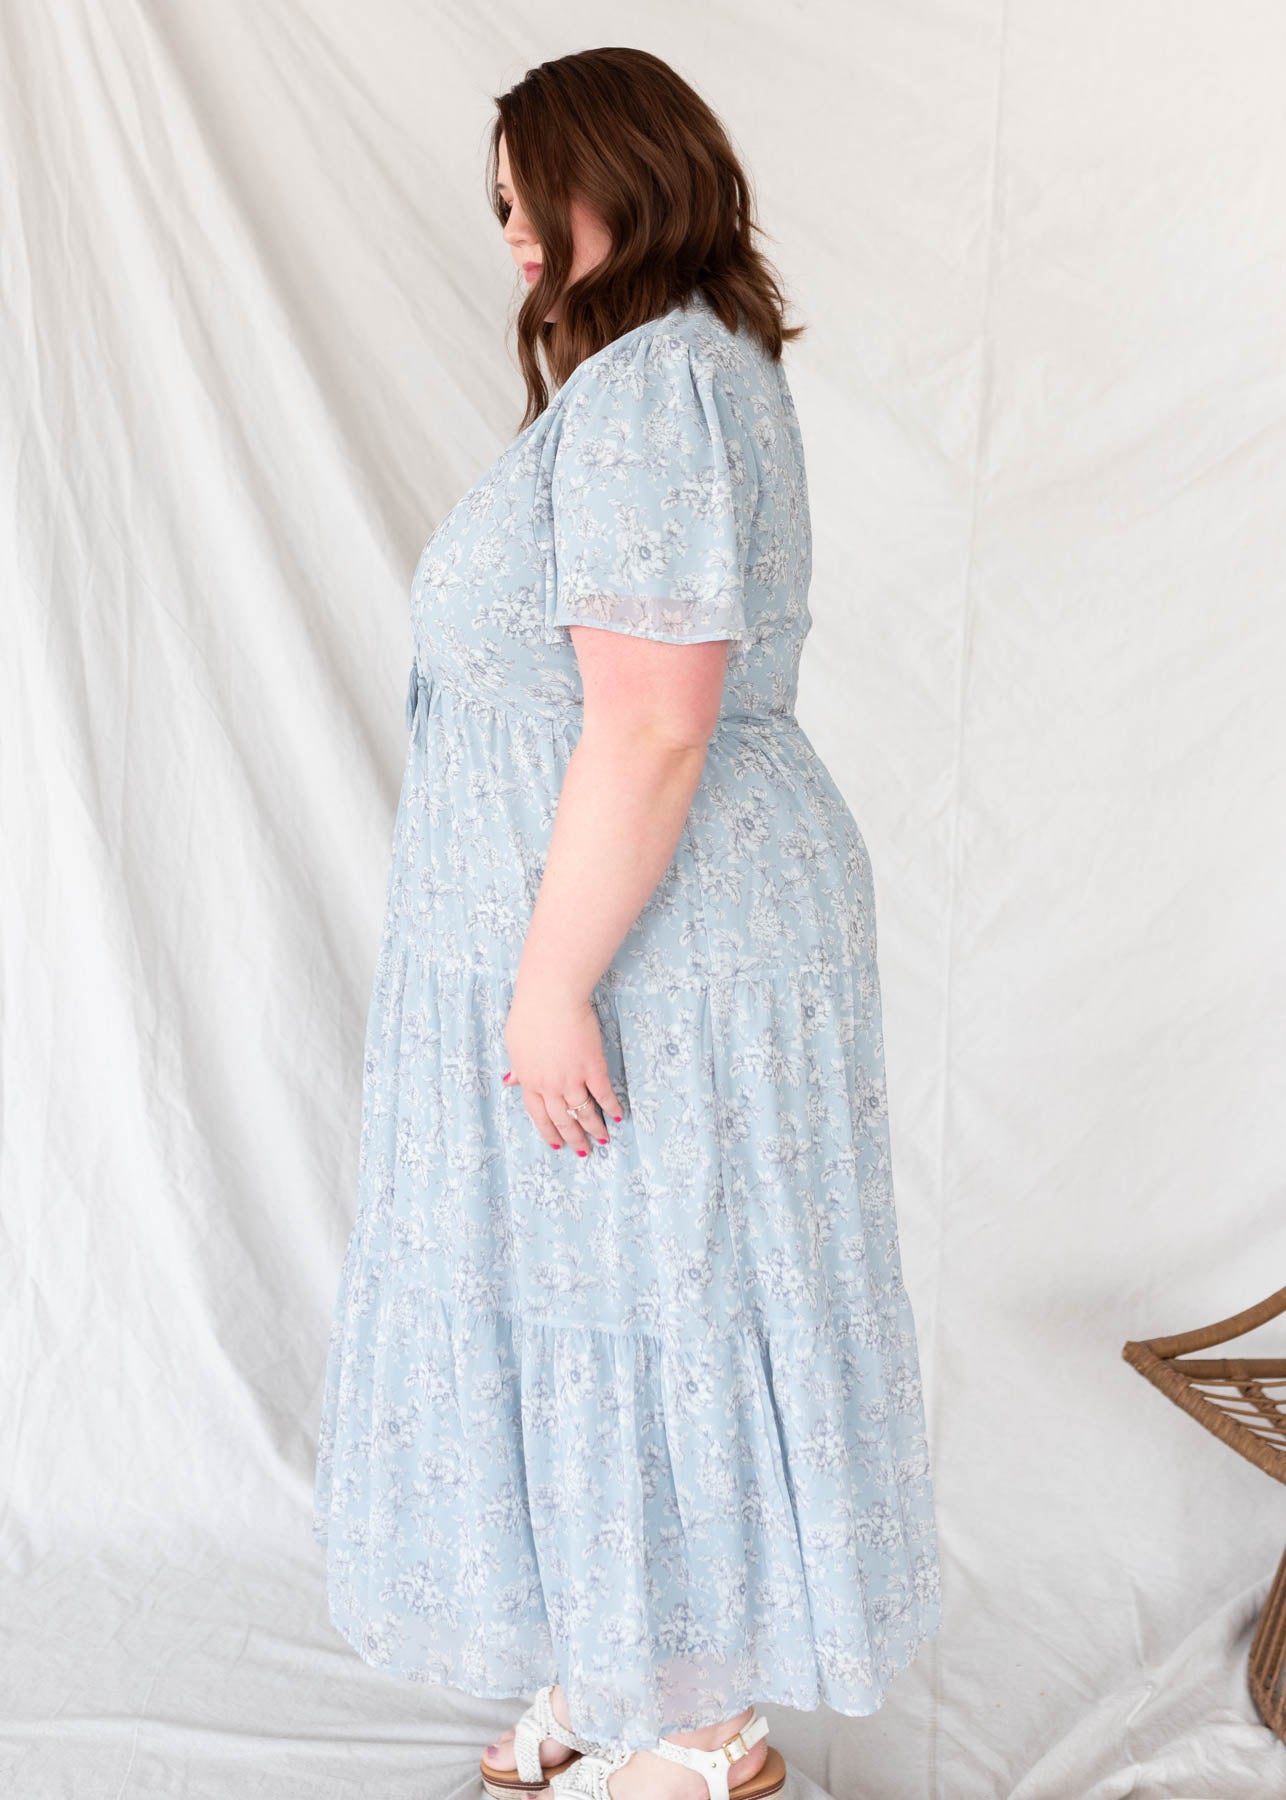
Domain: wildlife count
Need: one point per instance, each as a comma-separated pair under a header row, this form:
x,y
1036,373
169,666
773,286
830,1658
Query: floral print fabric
x,y
652,498
648,1423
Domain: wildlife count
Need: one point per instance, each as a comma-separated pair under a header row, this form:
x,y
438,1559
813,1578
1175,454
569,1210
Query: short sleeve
x,y
649,494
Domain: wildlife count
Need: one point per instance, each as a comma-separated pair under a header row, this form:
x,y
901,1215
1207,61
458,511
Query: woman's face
x,y
591,239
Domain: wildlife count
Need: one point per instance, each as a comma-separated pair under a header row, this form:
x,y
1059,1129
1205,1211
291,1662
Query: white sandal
x,y
588,1776
535,1725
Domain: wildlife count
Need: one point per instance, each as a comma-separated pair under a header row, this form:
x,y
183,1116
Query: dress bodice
x,y
661,492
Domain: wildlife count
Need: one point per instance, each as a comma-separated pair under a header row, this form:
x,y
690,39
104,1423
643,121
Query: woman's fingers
x,y
555,1120
588,1117
602,1090
572,1126
582,1081
540,1118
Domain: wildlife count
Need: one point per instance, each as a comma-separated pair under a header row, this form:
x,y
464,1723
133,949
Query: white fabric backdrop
x,y
254,317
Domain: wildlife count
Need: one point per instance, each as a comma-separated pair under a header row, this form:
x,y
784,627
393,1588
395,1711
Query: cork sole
x,y
771,1779
501,1783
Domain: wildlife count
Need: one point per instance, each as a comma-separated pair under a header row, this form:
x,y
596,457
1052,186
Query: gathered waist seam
x,y
421,685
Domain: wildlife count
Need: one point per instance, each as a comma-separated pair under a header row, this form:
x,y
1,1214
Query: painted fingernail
x,y
555,1146
602,1140
582,1153
616,1118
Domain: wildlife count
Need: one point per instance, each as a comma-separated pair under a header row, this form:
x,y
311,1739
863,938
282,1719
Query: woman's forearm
x,y
625,795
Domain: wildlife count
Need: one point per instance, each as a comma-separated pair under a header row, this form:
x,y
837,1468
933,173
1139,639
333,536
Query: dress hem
x,y
930,1625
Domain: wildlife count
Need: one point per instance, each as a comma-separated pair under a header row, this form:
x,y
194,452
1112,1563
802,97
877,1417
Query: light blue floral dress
x,y
648,1423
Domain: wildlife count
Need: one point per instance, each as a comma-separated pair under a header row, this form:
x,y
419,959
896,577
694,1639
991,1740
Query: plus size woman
x,y
622,1402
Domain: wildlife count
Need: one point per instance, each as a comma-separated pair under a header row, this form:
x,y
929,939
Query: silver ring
x,y
574,1110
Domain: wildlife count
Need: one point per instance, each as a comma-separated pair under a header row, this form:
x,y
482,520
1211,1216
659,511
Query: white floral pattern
x,y
648,1423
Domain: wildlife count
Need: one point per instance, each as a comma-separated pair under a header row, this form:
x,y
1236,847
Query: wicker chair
x,y
1243,1401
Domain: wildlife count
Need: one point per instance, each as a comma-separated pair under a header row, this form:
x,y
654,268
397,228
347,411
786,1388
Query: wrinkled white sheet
x,y
253,345
1181,1729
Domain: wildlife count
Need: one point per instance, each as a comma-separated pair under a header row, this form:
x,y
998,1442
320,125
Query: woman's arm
x,y
649,709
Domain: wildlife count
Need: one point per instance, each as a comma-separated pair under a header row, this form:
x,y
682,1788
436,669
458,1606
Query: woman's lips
x,y
531,270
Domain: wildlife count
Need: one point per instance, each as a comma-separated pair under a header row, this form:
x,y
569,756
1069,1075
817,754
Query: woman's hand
x,y
555,1046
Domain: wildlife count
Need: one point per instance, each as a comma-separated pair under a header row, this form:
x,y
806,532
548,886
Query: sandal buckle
x,y
736,1738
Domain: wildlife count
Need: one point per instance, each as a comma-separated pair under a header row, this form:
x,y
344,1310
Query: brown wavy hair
x,y
618,129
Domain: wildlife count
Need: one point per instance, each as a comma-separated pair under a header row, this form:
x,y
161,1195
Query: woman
x,y
640,1427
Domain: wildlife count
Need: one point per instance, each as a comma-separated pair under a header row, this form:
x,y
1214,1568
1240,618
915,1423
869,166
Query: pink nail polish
x,y
602,1140
582,1153
555,1146
616,1118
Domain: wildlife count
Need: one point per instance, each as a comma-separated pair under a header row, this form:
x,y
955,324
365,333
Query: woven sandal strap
x,y
536,1724
528,1733
574,1740
587,1779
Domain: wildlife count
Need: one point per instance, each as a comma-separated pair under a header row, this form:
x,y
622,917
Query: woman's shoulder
x,y
691,332
696,324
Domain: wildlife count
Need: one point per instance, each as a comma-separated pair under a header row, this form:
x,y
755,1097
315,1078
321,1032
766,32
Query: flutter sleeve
x,y
651,494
